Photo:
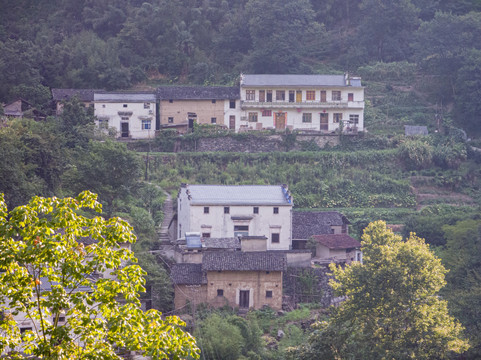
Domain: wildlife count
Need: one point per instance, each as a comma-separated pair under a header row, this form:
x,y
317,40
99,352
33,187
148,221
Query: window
x,y
103,123
241,230
252,117
125,105
268,293
269,95
337,117
350,97
146,124
206,209
213,101
275,238
213,120
250,94
262,95
307,117
226,210
354,119
170,120
206,235
280,95
103,105
146,105
220,292
232,104
336,95
276,210
266,112
256,210
23,329
310,95
171,101
292,95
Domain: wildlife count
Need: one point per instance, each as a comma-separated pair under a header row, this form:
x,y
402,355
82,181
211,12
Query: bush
x,y
416,154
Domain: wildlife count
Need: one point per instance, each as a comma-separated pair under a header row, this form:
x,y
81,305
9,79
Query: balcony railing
x,y
303,104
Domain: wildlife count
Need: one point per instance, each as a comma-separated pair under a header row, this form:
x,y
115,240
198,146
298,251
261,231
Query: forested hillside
x,y
119,44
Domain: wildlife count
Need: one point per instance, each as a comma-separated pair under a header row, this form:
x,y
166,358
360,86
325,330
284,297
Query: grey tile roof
x,y
125,96
307,223
292,80
411,130
82,94
237,195
198,93
337,241
188,274
244,261
222,243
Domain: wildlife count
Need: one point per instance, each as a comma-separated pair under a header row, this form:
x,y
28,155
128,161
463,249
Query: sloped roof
x,y
337,241
237,195
134,96
244,261
198,93
308,223
188,274
292,80
222,243
82,94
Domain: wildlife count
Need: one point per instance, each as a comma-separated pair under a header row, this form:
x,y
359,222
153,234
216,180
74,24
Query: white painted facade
x,y
132,115
249,216
301,102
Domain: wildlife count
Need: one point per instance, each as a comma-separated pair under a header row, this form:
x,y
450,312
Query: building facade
x,y
223,211
324,103
131,114
182,106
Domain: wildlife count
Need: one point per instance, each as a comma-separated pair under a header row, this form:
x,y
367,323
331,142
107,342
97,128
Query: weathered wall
x,y
257,282
192,294
302,285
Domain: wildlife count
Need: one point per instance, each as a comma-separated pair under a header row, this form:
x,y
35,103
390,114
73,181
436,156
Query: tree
x,y
462,255
47,271
392,308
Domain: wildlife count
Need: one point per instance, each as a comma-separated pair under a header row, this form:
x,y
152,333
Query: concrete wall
x,y
299,259
220,225
294,110
115,113
257,282
323,252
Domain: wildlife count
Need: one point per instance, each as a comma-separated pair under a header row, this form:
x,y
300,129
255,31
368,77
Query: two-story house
x,y
226,211
323,103
182,106
132,114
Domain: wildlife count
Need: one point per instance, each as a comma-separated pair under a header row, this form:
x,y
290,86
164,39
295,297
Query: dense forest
x,y
420,63
119,44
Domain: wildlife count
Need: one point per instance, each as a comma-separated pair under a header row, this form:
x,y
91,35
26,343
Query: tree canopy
x,y
392,307
66,274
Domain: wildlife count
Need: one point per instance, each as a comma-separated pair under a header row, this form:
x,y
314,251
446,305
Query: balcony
x,y
253,104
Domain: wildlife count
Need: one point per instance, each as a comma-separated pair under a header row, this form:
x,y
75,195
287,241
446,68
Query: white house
x,y
132,114
226,211
302,102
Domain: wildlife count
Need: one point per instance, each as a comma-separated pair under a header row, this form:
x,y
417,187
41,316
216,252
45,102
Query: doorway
x,y
232,122
124,129
244,298
280,120
324,121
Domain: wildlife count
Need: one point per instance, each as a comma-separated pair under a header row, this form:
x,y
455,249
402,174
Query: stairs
x,y
164,238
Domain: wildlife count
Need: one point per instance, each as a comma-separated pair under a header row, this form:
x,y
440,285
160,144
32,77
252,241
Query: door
x,y
232,122
124,129
324,121
262,96
298,96
244,299
280,120
291,95
323,96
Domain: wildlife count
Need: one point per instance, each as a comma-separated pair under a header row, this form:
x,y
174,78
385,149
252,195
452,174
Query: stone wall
x,y
306,285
